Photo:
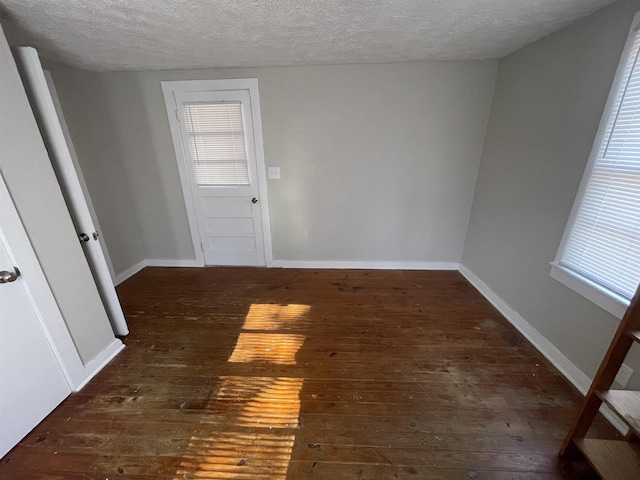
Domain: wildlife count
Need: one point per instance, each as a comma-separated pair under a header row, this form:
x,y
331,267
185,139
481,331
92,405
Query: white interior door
x,y
50,122
32,383
218,146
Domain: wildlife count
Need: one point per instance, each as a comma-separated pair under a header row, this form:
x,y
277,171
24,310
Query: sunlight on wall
x,y
260,415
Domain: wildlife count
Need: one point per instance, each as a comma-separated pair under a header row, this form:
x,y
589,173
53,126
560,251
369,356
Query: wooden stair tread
x,y
625,403
611,459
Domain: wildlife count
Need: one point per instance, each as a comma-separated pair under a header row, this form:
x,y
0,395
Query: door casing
x,y
170,89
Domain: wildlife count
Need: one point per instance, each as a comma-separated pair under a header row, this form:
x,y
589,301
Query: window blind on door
x,y
604,243
217,143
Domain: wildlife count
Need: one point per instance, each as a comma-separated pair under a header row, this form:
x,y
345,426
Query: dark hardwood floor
x,y
240,373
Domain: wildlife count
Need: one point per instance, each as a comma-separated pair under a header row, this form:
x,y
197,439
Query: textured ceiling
x,y
176,34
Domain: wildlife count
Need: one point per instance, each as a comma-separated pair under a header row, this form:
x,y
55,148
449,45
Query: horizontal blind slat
x,y
217,143
604,243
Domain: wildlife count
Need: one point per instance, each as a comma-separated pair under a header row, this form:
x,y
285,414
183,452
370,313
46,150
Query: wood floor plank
x,y
234,373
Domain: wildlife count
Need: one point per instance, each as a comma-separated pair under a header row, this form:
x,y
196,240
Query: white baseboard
x,y
129,272
153,262
572,373
320,264
99,362
161,262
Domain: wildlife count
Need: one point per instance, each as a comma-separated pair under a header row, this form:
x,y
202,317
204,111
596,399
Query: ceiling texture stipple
x,y
107,35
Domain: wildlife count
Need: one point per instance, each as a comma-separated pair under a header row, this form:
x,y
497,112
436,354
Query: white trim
x,y
574,283
605,299
154,262
159,262
130,272
169,90
94,366
365,265
572,373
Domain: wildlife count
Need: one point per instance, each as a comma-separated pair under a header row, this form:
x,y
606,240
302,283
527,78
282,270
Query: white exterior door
x,y
32,383
48,113
220,150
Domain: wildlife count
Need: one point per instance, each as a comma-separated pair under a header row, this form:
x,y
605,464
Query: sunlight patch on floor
x,y
234,455
276,317
261,414
276,348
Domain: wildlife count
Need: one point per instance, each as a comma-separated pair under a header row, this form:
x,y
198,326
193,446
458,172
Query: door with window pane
x,y
219,148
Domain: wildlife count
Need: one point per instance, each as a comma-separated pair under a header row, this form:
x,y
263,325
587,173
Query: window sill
x,y
606,300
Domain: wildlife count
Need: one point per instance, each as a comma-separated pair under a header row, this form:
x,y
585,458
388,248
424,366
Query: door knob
x,y
83,237
7,277
254,200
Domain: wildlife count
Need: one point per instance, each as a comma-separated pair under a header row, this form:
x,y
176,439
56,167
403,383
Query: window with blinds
x,y
217,143
604,241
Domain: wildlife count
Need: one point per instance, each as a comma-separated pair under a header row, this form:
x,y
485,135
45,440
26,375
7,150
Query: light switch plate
x,y
274,173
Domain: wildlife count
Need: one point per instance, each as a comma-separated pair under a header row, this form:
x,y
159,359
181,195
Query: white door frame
x,y
169,89
42,298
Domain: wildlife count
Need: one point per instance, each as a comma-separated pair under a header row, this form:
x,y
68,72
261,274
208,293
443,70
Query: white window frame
x,y
604,298
172,87
197,147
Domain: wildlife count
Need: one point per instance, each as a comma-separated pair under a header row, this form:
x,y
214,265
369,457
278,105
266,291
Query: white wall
x,y
95,138
547,106
379,164
378,161
34,189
